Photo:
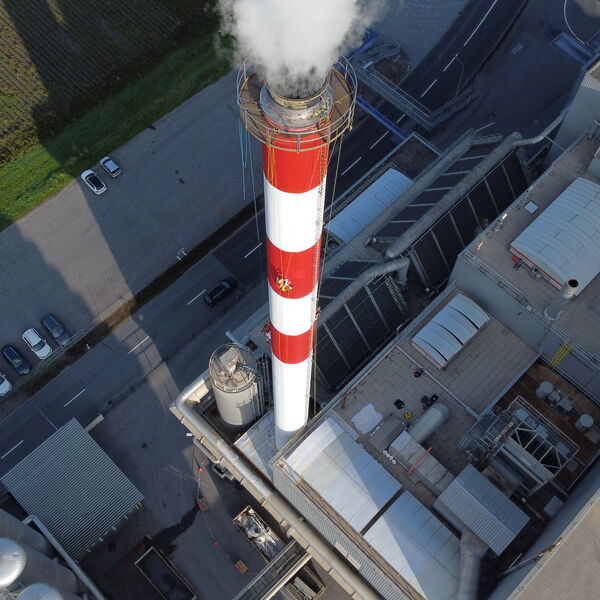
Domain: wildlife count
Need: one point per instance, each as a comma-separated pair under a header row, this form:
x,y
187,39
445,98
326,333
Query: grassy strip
x,y
41,173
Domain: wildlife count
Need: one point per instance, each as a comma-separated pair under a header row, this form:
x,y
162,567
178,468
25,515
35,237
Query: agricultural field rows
x,y
59,58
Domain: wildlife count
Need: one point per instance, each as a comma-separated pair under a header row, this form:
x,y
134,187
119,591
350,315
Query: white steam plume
x,y
293,43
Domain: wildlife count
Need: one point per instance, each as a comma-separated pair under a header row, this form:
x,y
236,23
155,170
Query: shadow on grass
x,y
108,112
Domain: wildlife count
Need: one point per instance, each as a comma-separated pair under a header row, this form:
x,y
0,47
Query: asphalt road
x,y
112,370
457,57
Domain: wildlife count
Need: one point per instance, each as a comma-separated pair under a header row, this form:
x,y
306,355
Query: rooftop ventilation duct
x,y
568,291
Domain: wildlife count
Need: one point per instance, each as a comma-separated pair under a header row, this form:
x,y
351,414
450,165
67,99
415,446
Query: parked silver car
x,y
93,182
37,344
110,166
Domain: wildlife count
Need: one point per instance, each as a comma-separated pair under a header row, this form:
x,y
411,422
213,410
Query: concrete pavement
x,y
80,255
177,325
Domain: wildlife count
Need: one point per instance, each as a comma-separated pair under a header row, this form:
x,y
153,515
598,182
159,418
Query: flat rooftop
x,y
484,370
490,250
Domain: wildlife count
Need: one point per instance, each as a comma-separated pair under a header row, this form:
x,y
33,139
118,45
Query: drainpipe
x,y
401,265
79,572
472,551
267,496
409,237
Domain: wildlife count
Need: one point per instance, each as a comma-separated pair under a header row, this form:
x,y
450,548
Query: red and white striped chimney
x,y
296,135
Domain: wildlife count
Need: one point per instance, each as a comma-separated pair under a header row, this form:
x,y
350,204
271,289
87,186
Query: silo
x,y
233,374
41,591
20,564
18,531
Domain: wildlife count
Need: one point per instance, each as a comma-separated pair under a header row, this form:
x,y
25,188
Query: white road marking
x,y
480,22
377,142
253,249
75,397
140,343
430,86
13,448
451,61
348,168
196,297
400,118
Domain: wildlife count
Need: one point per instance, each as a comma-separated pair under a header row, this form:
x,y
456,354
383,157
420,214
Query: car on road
x,y
5,385
94,182
56,329
21,365
222,289
37,344
110,166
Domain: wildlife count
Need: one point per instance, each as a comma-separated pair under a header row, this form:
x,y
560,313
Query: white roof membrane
x,y
449,330
350,221
564,241
345,475
418,546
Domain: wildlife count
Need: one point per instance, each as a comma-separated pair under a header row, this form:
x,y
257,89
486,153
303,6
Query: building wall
x,y
340,542
584,108
585,496
513,312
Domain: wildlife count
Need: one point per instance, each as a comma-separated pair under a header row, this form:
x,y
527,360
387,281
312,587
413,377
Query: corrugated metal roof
x,y
345,475
258,444
564,241
73,486
418,546
349,222
481,507
444,336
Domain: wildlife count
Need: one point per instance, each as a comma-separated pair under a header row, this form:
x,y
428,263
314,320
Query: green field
x,y
54,126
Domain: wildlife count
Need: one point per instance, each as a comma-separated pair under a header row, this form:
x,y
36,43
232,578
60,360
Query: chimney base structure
x,y
296,134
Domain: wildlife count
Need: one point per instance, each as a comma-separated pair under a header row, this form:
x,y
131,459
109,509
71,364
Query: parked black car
x,y
56,329
222,289
16,360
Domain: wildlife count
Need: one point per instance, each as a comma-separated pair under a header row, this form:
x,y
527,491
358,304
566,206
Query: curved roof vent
x,y
564,241
450,330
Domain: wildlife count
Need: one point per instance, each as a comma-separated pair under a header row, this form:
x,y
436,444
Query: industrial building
x,y
73,495
457,456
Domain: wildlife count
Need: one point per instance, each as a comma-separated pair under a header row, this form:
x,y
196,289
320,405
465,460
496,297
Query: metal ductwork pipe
x,y
400,265
429,422
41,591
81,574
568,291
424,181
20,564
267,496
20,532
428,220
472,551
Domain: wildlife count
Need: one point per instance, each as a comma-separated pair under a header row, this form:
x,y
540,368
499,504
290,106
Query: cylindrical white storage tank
x,y
233,375
429,421
41,591
21,564
17,530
